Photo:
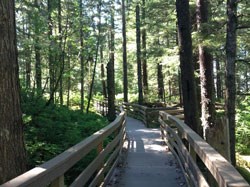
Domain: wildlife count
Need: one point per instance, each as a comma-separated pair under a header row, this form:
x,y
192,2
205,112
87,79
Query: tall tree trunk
x,y
104,91
111,71
124,46
186,64
218,80
28,62
69,79
96,56
138,54
230,72
51,56
61,58
81,55
144,51
38,67
12,150
160,82
206,74
180,87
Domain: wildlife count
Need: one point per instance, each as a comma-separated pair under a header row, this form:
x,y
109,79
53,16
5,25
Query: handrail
x,y
149,116
101,107
52,172
174,131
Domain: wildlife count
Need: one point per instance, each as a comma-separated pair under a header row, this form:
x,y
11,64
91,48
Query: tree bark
x,y
51,56
69,79
144,51
81,56
37,47
111,71
160,82
124,45
12,150
138,54
104,90
206,74
60,52
218,80
230,72
180,87
186,64
28,63
96,56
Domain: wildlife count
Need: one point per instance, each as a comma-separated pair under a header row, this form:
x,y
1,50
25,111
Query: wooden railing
x,y
187,145
149,116
101,107
97,172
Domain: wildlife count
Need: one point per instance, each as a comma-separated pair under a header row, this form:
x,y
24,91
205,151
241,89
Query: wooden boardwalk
x,y
148,162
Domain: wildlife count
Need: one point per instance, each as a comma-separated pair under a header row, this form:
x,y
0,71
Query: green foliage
x,y
243,126
51,130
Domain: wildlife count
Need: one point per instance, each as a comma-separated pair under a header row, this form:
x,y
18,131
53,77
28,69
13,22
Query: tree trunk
x,y
61,58
81,56
51,56
230,72
69,79
206,74
38,67
104,91
218,80
12,150
186,64
28,64
138,54
96,56
111,71
124,45
144,51
180,88
160,82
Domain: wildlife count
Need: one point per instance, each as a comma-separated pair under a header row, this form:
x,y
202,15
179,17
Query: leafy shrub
x,y
243,126
51,130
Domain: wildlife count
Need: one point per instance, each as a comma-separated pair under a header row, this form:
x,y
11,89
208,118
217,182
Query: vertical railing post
x,y
59,182
99,150
146,117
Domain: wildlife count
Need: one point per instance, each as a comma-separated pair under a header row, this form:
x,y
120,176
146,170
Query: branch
x,y
243,27
246,61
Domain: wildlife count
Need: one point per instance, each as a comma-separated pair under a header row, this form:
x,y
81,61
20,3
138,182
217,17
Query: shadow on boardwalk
x,y
148,162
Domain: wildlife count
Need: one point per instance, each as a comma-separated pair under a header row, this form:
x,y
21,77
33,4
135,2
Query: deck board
x,y
149,163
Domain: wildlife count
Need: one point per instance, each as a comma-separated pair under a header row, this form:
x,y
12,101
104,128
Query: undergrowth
x,y
52,129
243,126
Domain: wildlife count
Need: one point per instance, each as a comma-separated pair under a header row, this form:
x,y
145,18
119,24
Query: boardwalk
x,y
148,162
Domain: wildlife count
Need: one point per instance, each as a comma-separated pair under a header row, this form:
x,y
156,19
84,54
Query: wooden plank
x,y
56,167
184,157
224,173
114,156
83,178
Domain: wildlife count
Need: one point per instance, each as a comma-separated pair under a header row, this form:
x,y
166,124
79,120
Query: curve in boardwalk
x,y
148,162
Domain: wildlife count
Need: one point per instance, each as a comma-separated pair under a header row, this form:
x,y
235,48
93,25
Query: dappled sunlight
x,y
154,148
148,130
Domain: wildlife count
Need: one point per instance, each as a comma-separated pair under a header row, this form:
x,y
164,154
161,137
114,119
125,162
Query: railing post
x,y
146,118
59,182
192,152
99,150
